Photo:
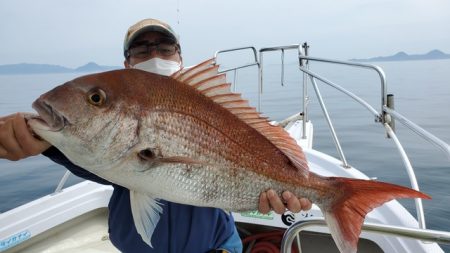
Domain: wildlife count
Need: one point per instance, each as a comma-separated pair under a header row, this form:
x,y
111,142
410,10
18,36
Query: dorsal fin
x,y
184,74
205,78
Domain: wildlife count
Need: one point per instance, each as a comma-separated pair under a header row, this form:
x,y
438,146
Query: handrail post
x,y
330,124
260,79
62,182
305,47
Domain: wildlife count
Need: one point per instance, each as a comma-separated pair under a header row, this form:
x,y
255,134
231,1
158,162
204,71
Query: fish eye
x,y
96,97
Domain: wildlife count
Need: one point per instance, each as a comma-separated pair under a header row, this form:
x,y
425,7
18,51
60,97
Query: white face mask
x,y
159,66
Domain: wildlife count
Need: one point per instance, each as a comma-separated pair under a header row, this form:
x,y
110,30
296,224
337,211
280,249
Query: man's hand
x,y
269,200
17,140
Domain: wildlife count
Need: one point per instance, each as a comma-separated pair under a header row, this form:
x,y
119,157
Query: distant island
x,y
402,56
30,68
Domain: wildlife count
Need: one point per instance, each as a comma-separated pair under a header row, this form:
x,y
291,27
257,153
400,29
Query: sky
x,y
72,33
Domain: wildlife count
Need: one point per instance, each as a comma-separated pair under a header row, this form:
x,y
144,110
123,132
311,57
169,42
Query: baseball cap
x,y
148,25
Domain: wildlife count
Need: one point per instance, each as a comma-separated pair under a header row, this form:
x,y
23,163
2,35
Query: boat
x,y
74,219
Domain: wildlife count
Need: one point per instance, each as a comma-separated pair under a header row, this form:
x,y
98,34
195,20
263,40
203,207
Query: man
x,y
152,46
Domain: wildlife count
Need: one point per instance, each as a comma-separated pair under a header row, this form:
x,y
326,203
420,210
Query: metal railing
x,y
378,70
444,147
235,69
300,49
379,117
253,49
385,115
421,234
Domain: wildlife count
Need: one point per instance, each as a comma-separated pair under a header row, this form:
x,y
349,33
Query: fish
x,y
188,139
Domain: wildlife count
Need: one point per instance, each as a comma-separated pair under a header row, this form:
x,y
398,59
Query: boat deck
x,y
87,233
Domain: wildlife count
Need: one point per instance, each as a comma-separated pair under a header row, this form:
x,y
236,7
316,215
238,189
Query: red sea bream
x,y
188,139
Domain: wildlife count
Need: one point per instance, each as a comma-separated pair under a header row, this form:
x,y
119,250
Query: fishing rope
x,y
265,242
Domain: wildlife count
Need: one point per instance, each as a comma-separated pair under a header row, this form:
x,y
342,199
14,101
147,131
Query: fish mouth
x,y
48,119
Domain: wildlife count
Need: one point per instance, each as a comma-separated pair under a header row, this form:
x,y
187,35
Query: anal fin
x,y
146,213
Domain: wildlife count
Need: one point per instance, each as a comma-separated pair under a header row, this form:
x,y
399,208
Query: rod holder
x,y
388,119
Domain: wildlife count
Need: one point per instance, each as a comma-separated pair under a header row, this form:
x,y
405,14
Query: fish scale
x,y
234,190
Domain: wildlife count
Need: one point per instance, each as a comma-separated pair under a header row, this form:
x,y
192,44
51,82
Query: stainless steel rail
x,y
255,62
415,233
384,116
378,116
377,69
411,175
343,90
330,124
297,47
419,131
305,64
313,76
62,182
235,69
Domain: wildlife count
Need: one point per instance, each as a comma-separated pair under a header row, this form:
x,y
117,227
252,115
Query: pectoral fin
x,y
179,159
154,156
146,213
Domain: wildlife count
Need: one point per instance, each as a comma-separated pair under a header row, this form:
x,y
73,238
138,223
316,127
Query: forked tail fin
x,y
346,214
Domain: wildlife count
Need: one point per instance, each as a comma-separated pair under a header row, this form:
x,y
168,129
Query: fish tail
x,y
345,215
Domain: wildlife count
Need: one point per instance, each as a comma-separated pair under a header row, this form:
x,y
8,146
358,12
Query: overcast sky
x,y
72,33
